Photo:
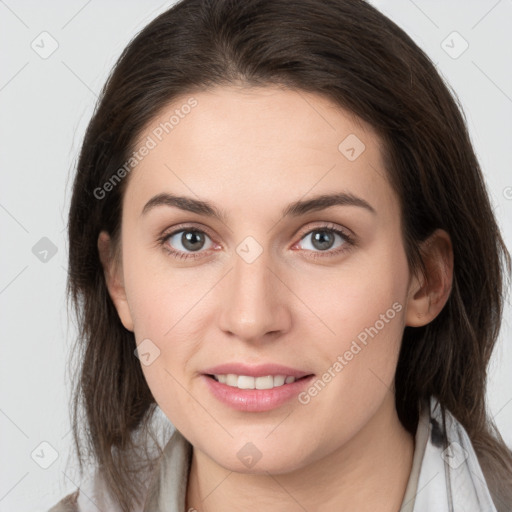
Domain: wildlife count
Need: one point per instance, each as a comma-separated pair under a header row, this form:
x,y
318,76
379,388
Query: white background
x,y
45,105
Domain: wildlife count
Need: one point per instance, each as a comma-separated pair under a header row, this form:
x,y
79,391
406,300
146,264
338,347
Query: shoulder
x,y
165,482
67,504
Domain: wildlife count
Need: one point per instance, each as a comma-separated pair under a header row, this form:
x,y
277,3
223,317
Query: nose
x,y
253,301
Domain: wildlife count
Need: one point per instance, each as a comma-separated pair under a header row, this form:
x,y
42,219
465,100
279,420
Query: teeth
x,y
247,382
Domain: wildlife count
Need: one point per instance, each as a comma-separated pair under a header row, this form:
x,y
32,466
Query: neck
x,y
368,473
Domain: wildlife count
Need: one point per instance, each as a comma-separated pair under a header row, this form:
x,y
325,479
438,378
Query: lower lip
x,y
256,400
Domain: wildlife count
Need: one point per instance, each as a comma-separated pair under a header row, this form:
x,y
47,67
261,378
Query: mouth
x,y
259,394
250,382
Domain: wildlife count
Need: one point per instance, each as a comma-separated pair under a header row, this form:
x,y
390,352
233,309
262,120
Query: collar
x,y
448,479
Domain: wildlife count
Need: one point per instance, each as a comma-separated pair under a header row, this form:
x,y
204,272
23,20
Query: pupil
x,y
323,240
190,239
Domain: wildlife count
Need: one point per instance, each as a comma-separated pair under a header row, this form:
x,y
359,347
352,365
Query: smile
x,y
248,382
240,392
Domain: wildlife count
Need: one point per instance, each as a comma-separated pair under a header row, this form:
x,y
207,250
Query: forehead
x,y
247,144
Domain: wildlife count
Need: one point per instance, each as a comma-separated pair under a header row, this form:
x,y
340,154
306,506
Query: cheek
x,y
364,307
355,296
361,307
158,295
168,313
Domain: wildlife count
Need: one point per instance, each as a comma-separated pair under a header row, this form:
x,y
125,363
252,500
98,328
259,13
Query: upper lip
x,y
261,370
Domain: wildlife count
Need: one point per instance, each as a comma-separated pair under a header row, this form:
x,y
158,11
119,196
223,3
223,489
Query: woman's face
x,y
268,282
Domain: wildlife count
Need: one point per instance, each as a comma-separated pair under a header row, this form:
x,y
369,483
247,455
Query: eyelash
x,y
349,242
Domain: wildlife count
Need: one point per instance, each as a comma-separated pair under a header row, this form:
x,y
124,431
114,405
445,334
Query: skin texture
x,y
251,152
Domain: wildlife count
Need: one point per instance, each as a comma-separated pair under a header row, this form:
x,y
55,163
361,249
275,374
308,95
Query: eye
x,y
326,239
189,242
184,243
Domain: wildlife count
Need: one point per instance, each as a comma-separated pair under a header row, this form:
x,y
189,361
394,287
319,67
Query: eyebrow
x,y
294,209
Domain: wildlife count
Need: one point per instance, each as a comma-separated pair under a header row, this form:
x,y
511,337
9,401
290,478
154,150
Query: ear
x,y
428,294
113,273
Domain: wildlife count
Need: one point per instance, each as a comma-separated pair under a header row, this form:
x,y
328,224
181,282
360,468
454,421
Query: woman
x,y
280,236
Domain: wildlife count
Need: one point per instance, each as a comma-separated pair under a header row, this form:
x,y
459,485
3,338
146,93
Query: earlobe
x,y
114,279
428,294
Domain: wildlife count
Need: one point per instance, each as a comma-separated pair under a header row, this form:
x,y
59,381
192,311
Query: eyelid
x,y
350,238
186,226
326,225
300,234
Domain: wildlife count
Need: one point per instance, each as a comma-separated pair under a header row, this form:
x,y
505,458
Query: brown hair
x,y
352,54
